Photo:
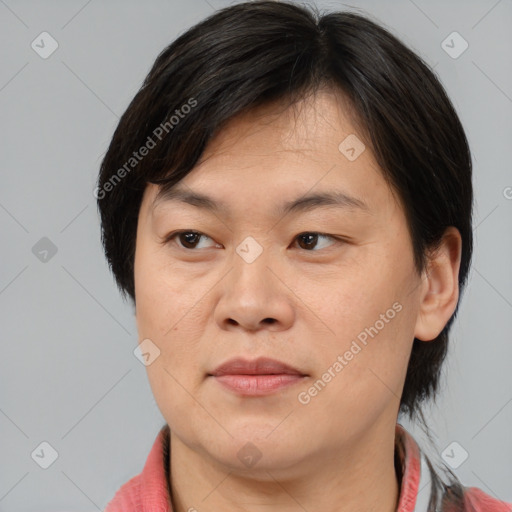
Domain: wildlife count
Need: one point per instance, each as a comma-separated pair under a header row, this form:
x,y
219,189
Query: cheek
x,y
350,303
176,375
162,315
358,382
169,392
368,343
158,291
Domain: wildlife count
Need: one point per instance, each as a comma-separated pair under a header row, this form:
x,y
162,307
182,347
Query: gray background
x,y
68,375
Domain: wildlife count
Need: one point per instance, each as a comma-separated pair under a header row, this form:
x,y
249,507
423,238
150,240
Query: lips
x,y
256,378
260,366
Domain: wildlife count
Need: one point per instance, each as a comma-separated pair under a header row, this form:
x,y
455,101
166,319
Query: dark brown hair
x,y
254,53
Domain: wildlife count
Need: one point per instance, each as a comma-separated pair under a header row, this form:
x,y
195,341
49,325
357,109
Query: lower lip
x,y
256,385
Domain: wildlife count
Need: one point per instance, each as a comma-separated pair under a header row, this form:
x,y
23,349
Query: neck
x,y
357,477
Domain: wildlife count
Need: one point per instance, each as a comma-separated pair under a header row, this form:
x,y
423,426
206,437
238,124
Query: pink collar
x,y
149,491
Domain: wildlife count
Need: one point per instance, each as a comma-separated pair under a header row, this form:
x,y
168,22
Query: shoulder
x,y
475,500
147,491
127,498
448,494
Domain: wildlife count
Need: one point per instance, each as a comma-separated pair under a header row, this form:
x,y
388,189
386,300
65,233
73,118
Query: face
x,y
328,288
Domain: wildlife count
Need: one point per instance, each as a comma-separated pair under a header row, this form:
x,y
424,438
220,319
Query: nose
x,y
254,296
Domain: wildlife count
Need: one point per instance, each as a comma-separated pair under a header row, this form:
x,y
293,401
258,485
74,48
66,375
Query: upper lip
x,y
260,366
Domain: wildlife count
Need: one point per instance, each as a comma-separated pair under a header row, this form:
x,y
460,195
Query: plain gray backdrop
x,y
68,375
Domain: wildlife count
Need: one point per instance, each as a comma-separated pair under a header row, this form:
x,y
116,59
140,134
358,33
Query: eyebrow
x,y
303,203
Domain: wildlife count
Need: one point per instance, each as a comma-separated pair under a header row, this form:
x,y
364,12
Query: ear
x,y
440,291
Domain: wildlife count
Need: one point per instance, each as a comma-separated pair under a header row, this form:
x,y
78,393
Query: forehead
x,y
273,153
277,127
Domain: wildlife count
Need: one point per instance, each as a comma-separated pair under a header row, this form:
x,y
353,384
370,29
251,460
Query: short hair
x,y
253,53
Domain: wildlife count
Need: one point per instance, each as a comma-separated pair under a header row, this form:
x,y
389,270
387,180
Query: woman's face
x,y
340,303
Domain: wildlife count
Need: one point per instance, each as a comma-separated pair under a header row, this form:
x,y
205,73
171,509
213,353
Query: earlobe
x,y
440,291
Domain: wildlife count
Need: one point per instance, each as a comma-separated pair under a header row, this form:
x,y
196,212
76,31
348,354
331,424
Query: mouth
x,y
257,377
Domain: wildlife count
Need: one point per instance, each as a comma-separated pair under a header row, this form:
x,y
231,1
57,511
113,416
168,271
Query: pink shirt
x,y
149,491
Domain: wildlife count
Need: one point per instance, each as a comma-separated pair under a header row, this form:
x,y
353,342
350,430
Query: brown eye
x,y
187,239
309,240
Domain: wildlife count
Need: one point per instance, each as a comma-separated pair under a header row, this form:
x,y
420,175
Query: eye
x,y
187,239
311,238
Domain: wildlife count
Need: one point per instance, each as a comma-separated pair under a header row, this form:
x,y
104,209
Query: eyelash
x,y
169,238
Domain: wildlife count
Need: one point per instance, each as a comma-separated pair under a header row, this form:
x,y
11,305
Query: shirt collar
x,y
416,482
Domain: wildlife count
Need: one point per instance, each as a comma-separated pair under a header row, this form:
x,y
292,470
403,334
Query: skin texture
x,y
202,306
